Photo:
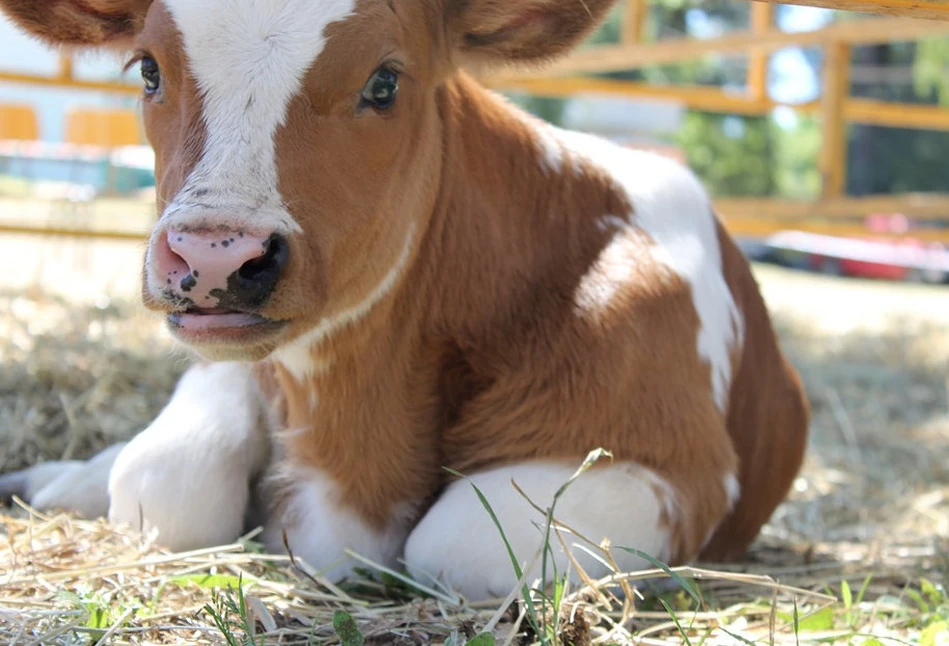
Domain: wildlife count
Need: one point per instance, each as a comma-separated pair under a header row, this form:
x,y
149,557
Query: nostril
x,y
254,281
172,266
268,266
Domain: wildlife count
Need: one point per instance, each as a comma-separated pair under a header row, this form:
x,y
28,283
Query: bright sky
x,y
792,79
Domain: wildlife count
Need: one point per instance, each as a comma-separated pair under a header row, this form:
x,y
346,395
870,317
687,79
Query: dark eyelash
x,y
136,58
393,65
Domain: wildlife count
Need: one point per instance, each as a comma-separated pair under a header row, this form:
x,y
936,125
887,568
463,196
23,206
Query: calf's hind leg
x,y
458,543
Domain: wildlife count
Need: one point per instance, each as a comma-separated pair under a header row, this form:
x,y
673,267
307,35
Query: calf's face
x,y
299,143
296,156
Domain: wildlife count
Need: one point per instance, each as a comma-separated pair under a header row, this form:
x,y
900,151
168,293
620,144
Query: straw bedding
x,y
870,506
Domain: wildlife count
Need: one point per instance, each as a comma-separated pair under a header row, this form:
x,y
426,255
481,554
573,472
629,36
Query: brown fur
x,y
173,121
768,416
530,31
481,355
79,22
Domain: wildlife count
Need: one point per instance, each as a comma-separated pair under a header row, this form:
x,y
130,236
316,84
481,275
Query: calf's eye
x,y
151,76
382,88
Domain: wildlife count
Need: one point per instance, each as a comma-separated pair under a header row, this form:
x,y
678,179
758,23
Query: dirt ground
x,y
874,357
82,365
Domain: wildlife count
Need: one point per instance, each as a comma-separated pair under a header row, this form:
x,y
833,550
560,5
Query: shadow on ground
x,y
873,496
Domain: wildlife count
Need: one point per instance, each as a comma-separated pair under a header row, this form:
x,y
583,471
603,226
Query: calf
x,y
391,270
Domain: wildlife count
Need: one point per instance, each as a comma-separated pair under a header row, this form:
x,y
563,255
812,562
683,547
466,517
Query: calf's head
x,y
299,143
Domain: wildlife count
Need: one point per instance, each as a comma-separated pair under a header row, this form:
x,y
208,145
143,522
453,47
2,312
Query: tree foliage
x,y
931,68
897,160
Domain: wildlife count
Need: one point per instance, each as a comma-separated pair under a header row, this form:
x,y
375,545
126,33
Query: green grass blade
x,y
525,590
845,594
743,640
675,620
497,523
685,585
863,589
797,625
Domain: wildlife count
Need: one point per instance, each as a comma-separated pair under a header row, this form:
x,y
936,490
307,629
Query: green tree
x,y
931,69
734,155
897,160
796,150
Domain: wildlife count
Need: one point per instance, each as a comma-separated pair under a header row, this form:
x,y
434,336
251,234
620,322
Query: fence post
x,y
834,95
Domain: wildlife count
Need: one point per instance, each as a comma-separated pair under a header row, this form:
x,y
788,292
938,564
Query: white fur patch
x,y
187,476
458,543
671,206
550,147
249,58
615,268
73,486
297,356
319,530
733,489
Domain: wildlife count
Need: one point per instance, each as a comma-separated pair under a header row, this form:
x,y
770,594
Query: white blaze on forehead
x,y
249,58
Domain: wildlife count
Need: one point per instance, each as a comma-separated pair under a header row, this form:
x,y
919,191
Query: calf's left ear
x,y
92,23
520,31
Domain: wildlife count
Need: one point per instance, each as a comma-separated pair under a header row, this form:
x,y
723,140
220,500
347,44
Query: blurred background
x,y
823,136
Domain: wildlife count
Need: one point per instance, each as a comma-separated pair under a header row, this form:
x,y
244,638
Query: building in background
x,y
62,153
636,124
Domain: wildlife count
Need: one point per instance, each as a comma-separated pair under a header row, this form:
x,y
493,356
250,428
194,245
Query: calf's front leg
x,y
188,476
77,486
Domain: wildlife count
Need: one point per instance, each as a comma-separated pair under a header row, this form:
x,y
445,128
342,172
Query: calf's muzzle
x,y
220,268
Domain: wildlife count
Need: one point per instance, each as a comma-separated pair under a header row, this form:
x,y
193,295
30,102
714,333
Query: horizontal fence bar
x,y
712,99
742,216
607,58
69,232
617,58
752,228
929,9
69,83
924,206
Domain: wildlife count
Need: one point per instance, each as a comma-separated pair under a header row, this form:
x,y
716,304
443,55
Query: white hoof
x,y
70,485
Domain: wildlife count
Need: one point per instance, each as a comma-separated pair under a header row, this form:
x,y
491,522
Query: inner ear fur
x,y
80,23
521,31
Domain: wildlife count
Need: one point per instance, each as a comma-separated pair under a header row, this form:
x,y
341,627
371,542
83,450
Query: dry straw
x,y
858,552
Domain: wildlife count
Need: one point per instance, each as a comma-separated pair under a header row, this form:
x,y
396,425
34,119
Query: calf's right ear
x,y
90,23
520,31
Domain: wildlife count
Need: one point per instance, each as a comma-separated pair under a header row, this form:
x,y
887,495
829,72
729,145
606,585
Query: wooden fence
x,y
833,212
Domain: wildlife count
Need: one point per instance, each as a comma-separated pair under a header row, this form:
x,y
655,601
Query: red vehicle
x,y
883,253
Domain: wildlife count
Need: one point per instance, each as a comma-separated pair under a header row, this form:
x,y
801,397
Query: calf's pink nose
x,y
220,268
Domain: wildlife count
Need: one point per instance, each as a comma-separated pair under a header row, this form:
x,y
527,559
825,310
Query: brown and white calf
x,y
391,270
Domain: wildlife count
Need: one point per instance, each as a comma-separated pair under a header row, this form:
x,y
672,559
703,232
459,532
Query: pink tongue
x,y
214,321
